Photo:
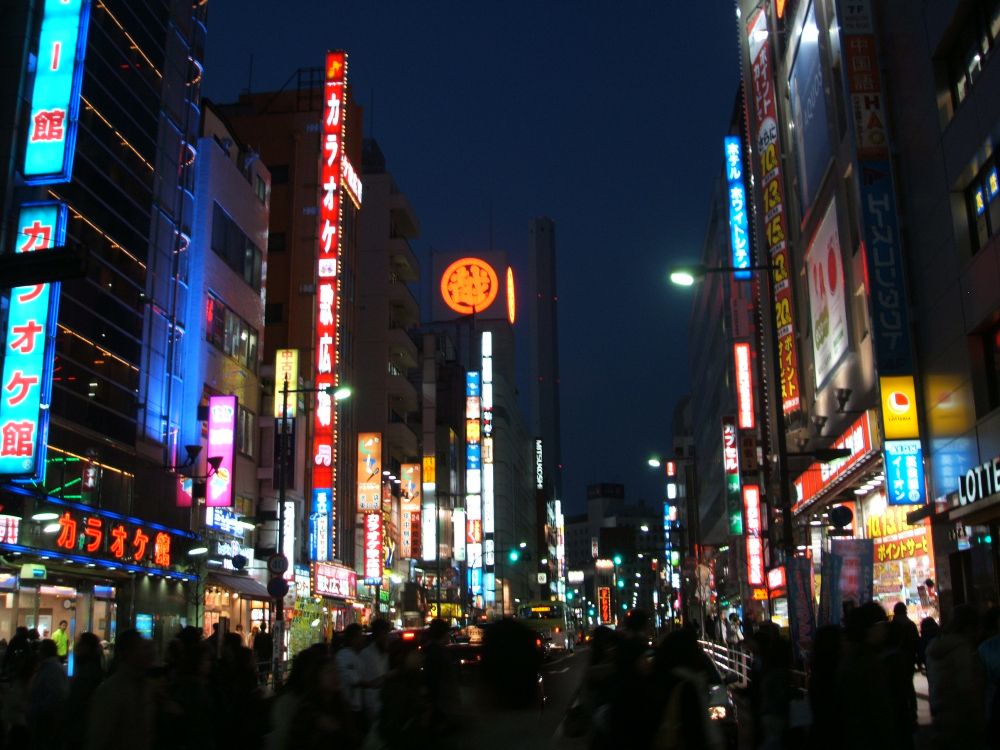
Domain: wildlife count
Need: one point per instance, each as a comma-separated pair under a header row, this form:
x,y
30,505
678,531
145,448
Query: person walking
x,y
263,652
956,683
989,653
349,664
374,668
929,630
88,674
905,640
122,716
47,696
61,638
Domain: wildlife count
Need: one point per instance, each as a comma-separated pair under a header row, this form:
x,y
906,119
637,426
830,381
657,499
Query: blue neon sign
x,y
55,94
904,473
737,197
26,385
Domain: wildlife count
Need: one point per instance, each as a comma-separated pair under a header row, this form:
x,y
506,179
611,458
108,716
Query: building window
x,y
279,174
229,333
273,313
982,197
977,39
246,432
231,244
260,187
276,242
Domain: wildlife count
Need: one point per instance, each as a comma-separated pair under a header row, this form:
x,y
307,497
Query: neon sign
x,y
604,603
755,546
26,385
373,548
731,464
221,441
469,285
409,510
512,297
286,367
738,232
327,288
744,385
331,579
489,559
904,473
369,472
55,94
818,477
473,483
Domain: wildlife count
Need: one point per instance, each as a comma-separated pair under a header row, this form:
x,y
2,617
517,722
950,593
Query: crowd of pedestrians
x,y
361,690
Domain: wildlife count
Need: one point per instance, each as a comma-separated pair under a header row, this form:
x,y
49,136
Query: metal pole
x,y
278,630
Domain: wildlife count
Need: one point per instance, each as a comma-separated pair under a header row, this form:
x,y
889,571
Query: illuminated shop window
x,y
982,198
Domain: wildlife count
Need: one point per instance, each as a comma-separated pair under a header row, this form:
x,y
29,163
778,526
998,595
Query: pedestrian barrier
x,y
729,661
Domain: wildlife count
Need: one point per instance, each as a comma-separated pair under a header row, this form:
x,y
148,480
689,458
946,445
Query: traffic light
x,y
617,559
569,595
591,611
621,583
514,555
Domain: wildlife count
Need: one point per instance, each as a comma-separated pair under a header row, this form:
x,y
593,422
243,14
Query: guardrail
x,y
728,660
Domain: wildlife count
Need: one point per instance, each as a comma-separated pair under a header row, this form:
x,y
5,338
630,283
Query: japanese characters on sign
x,y
352,181
474,482
604,603
286,367
9,528
755,549
773,215
222,412
489,558
373,548
827,302
332,579
904,473
224,520
328,278
26,384
731,464
819,476
369,472
738,226
469,285
55,93
894,538
409,510
319,525
744,386
429,516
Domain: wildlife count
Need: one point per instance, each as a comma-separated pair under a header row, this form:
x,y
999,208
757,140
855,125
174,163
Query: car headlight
x,y
717,713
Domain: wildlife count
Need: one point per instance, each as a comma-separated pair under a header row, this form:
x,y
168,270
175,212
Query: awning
x,y
242,585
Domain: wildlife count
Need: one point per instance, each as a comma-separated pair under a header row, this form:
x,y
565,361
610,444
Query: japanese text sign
x,y
904,473
744,386
819,476
469,285
320,515
755,553
773,214
26,387
736,190
221,442
286,367
409,510
604,603
9,528
369,472
327,276
731,464
331,579
373,546
55,94
894,538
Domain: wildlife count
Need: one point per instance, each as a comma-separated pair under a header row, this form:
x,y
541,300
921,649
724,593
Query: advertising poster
x,y
812,137
801,617
827,304
409,511
829,590
221,442
857,569
369,472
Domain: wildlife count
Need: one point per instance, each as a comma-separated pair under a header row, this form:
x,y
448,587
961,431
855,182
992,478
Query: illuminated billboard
x,y
409,511
904,473
775,223
286,368
754,542
827,299
29,350
373,548
731,466
222,412
489,558
473,491
604,604
429,519
739,235
369,472
744,386
899,407
324,464
55,92
480,284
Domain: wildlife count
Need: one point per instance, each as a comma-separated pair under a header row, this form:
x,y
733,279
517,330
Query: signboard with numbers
x,y
29,350
773,214
327,276
55,93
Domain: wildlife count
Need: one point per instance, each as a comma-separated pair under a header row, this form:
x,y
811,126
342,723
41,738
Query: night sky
x,y
607,117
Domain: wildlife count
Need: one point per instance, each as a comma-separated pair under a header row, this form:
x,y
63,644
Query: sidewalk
x,y
922,738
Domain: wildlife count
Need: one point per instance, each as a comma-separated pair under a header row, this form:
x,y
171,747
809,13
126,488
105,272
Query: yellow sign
x,y
899,407
469,285
286,367
448,609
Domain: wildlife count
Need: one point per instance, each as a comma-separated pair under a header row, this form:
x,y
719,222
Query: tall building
x,y
388,404
100,121
309,136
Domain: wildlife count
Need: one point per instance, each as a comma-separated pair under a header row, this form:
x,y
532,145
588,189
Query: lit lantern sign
x,y
327,278
286,367
738,232
55,95
489,560
369,472
373,548
755,546
469,285
409,511
221,441
27,362
744,386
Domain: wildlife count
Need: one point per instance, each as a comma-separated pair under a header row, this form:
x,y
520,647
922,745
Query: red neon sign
x,y
604,602
744,385
94,535
755,546
818,477
328,286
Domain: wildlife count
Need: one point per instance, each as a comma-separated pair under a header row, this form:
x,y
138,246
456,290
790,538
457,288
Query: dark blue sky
x,y
606,116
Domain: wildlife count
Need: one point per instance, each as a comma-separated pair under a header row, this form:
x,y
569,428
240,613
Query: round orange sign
x,y
469,285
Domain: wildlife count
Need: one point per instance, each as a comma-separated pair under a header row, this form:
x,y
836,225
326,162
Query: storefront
x,y
100,571
236,602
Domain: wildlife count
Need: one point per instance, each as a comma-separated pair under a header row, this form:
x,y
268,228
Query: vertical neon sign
x,y
221,441
754,541
474,484
327,286
744,386
738,233
30,348
489,552
55,94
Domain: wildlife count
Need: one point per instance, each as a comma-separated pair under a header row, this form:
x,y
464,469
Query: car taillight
x,y
409,636
556,630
